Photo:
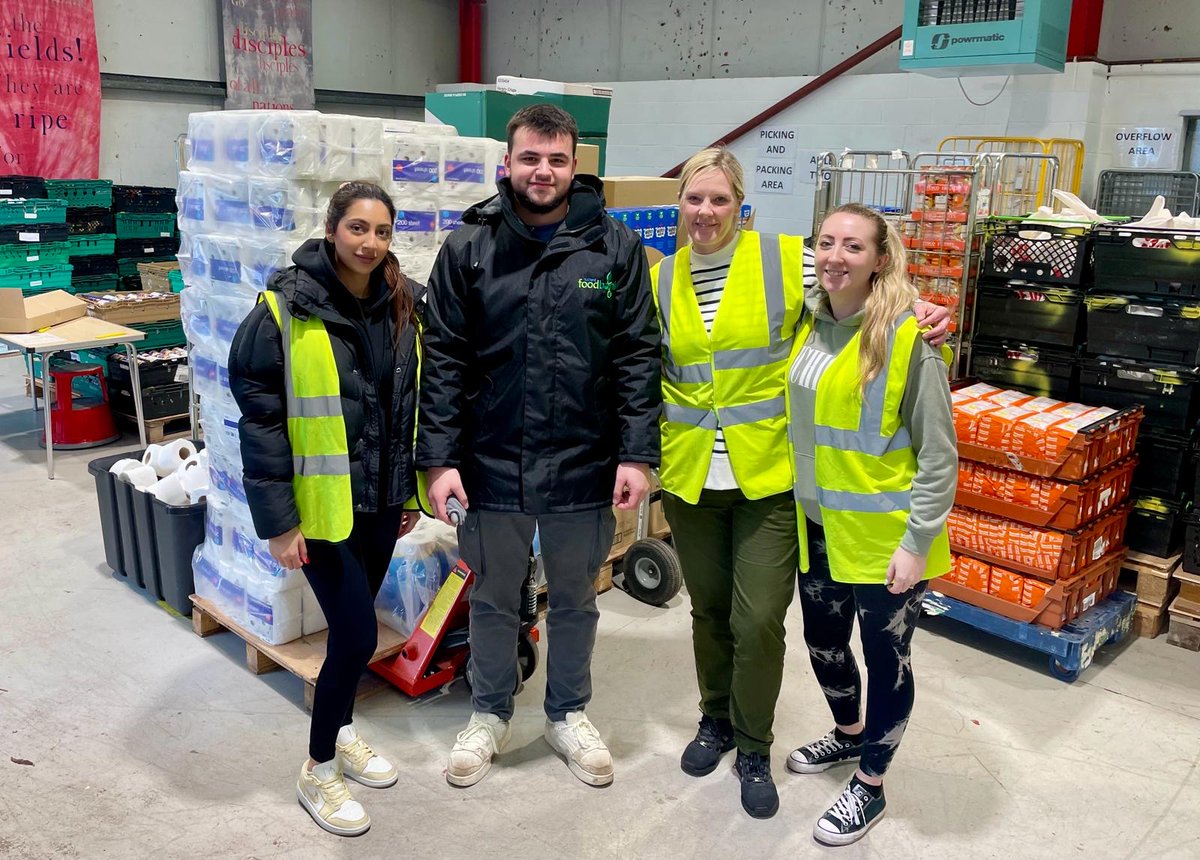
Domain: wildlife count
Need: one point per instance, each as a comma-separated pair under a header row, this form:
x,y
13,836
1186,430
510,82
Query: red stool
x,y
79,422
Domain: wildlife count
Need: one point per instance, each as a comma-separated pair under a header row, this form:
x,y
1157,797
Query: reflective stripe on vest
x,y
315,425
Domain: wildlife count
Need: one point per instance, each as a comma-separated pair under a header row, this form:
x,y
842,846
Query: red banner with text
x,y
50,96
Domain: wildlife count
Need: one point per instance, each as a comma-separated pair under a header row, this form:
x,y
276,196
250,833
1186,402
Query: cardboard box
x,y
587,159
627,192
19,315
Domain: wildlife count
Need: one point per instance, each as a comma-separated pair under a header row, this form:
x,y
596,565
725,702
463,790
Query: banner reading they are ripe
x,y
49,89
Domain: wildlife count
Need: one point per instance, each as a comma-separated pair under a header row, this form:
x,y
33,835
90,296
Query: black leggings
x,y
346,577
886,623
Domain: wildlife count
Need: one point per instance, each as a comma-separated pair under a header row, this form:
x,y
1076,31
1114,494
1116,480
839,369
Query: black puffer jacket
x,y
362,335
542,361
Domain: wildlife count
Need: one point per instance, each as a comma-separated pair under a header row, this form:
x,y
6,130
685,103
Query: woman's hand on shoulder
x,y
934,320
904,570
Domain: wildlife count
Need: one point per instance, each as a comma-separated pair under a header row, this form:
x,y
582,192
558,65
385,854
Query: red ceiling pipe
x,y
811,87
470,41
1083,39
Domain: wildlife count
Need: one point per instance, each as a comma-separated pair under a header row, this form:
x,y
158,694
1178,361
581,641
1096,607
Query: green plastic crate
x,y
95,284
82,192
145,225
176,279
33,211
37,278
21,256
161,335
85,356
93,245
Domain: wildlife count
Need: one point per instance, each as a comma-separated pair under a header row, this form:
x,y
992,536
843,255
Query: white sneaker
x,y
323,792
361,763
577,740
471,757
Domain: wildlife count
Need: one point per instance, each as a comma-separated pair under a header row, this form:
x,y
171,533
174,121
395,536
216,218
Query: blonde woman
x,y
729,305
876,466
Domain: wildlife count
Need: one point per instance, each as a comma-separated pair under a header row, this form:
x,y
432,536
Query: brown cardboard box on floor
x,y
19,315
625,192
587,159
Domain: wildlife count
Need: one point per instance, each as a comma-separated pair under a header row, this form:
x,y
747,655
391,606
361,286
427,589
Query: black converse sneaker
x,y
759,797
824,753
713,739
851,816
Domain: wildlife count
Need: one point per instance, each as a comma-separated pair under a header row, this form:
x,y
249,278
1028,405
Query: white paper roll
x,y
167,458
169,490
141,476
120,467
194,479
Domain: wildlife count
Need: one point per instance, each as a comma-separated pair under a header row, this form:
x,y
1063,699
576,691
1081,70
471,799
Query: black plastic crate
x,y
106,496
1045,253
1145,327
89,220
136,248
1025,367
151,373
131,558
27,233
1164,465
1191,543
22,186
143,198
160,401
1029,313
1171,396
94,265
177,533
1141,261
1155,526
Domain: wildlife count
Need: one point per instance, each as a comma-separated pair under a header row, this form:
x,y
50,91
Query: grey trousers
x,y
496,546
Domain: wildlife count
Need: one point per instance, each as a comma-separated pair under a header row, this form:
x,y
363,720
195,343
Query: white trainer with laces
x,y
323,792
361,763
577,740
471,757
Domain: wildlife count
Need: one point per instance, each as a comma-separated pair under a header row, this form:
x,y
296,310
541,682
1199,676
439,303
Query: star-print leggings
x,y
886,623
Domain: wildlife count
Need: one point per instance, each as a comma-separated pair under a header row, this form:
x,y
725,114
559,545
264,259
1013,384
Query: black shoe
x,y
713,740
823,754
851,816
759,797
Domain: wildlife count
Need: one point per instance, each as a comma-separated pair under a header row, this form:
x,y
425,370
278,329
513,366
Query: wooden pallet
x,y
161,429
302,657
1156,583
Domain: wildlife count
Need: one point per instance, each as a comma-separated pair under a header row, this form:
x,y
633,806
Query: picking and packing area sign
x,y
50,102
268,54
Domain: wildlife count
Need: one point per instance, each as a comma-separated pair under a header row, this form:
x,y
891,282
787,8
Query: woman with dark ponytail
x,y
325,372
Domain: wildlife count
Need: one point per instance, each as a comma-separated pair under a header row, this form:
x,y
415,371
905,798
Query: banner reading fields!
x,y
50,94
268,54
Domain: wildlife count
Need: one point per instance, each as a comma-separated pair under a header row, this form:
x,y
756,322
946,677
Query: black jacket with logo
x,y
542,360
375,374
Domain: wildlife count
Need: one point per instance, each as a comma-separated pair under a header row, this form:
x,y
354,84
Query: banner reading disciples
x,y
268,54
50,102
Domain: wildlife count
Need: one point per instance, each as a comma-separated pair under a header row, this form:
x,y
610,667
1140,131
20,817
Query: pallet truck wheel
x,y
527,655
652,571
1058,670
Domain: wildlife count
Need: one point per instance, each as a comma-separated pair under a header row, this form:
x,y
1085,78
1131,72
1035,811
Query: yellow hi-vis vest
x,y
865,463
737,377
315,424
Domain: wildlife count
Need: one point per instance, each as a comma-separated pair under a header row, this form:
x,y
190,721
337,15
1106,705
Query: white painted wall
x,y
1150,29
1149,96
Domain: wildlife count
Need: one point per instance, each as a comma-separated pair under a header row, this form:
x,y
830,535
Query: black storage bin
x,y
11,234
151,373
143,198
92,265
130,249
1170,395
1028,313
143,526
1141,260
159,401
23,186
129,534
1046,253
1191,543
1033,369
106,496
1155,526
177,533
1164,465
89,220
1145,328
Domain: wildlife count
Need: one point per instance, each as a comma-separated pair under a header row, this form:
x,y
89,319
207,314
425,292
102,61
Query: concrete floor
x,y
146,741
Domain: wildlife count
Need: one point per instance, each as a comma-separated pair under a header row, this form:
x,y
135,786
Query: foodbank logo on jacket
x,y
606,285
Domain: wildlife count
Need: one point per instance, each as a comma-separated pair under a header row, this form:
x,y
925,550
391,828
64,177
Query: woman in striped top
x,y
729,306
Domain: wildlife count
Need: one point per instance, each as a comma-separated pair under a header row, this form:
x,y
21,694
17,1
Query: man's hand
x,y
408,522
633,482
445,482
936,318
289,550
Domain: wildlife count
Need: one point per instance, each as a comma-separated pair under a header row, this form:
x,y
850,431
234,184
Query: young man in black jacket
x,y
538,409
